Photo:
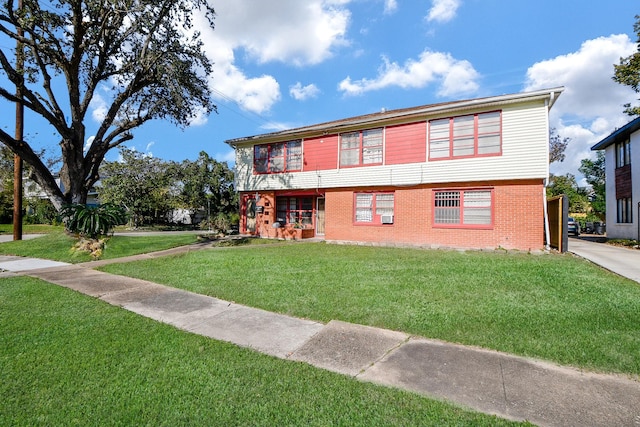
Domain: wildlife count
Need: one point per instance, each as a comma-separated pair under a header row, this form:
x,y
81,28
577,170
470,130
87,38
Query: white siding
x,y
525,147
629,230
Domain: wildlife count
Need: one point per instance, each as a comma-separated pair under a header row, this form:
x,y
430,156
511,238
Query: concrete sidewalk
x,y
496,383
488,381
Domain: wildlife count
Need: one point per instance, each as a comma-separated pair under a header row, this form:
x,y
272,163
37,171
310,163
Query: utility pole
x,y
17,160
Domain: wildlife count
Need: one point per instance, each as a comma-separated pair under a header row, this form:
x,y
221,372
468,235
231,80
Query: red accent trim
x,y
461,225
294,193
360,149
269,158
376,220
476,136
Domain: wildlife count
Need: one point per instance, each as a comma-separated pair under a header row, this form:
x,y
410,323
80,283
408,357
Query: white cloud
x,y
199,117
390,6
88,143
300,93
455,77
99,108
591,105
288,31
148,148
443,10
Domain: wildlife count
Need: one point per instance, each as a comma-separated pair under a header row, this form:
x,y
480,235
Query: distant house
x,y
32,189
468,174
622,169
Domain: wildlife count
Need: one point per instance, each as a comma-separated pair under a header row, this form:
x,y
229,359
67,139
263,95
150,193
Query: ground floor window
x,y
374,208
624,210
463,208
295,210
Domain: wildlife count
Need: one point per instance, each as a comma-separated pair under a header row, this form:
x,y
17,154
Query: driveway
x,y
623,261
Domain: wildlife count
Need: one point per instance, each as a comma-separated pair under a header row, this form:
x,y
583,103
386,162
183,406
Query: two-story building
x,y
622,166
467,174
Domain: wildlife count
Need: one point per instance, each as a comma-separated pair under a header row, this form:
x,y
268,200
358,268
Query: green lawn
x,y
57,246
554,307
68,359
32,228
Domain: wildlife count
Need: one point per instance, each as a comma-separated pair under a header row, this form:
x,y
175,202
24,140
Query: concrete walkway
x,y
488,381
620,260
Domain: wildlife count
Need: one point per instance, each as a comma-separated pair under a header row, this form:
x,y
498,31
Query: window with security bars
x,y
465,208
277,158
372,207
361,148
466,136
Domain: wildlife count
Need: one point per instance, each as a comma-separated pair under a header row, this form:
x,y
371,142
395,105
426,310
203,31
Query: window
x,y
295,210
361,148
277,158
468,208
374,208
623,153
466,136
624,211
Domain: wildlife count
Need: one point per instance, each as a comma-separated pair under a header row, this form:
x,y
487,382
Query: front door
x,y
320,216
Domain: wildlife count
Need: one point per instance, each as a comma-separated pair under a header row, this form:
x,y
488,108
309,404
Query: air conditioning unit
x,y
386,219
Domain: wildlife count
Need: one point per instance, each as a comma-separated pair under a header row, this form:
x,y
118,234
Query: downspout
x,y
546,216
548,103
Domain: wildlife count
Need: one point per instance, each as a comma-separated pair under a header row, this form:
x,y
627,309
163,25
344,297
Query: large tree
x,y
140,183
627,72
143,57
206,183
594,172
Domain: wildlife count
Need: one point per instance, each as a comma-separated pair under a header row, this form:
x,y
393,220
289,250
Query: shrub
x,y
92,221
41,211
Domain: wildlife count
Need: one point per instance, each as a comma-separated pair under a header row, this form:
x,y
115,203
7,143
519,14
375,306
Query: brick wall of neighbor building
x,y
517,224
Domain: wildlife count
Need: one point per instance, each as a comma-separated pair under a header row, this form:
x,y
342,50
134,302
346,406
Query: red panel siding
x,y
406,143
518,219
320,153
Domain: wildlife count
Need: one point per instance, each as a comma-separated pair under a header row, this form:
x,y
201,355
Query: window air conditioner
x,y
386,219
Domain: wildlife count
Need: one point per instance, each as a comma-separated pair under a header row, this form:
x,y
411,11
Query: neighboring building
x,y
622,169
32,189
468,174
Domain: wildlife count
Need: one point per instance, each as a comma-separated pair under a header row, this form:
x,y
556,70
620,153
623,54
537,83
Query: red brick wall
x,y
518,218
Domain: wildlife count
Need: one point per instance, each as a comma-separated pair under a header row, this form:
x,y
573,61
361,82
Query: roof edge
x,y
618,134
336,125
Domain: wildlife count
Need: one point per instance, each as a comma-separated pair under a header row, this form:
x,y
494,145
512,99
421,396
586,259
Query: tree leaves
x,y
143,57
628,71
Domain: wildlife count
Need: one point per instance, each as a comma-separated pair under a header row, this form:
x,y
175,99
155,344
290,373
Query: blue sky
x,y
289,63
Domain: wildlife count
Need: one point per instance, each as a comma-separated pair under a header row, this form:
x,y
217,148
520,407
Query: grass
x,y
32,228
57,246
67,359
554,307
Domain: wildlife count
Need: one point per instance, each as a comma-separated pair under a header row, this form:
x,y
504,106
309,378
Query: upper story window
x,y
374,208
466,136
278,157
463,208
623,153
361,148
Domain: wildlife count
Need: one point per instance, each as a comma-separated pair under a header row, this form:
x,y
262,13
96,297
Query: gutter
x,y
400,115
